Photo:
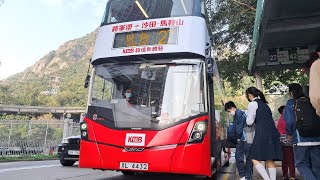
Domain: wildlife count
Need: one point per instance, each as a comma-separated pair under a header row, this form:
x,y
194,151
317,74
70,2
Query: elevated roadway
x,y
38,109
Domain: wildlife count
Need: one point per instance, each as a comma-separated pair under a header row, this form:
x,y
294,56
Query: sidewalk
x,y
256,175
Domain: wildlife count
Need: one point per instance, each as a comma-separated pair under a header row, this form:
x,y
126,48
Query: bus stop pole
x,y
259,80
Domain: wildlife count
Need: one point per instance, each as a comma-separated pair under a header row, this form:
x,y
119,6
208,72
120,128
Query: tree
x,y
232,25
232,22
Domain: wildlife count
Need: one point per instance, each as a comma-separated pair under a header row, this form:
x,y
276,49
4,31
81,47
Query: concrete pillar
x,y
259,80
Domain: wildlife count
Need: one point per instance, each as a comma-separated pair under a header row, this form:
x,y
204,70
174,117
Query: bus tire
x,y
128,173
66,162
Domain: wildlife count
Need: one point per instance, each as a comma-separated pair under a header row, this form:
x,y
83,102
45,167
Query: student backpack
x,y
308,122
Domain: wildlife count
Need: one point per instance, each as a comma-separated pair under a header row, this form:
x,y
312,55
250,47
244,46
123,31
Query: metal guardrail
x,y
34,137
25,148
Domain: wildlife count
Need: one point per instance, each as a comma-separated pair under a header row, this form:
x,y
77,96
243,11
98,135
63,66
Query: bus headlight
x,y
84,126
200,126
198,132
84,130
197,135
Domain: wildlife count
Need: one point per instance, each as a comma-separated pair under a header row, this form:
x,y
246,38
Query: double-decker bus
x,y
155,95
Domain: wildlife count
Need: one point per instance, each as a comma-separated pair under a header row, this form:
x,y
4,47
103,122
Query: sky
x,y
29,29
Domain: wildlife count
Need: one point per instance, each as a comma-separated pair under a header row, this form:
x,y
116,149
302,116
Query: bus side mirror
x,y
87,81
210,66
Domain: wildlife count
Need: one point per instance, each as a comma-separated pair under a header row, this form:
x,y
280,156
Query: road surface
x,y
52,170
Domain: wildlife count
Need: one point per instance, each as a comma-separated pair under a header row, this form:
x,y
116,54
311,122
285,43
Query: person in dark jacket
x,y
242,148
266,144
306,149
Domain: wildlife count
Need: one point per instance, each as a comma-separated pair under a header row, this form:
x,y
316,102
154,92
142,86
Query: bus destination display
x,y
146,37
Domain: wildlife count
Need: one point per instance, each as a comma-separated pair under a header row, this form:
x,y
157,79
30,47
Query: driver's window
x,y
102,89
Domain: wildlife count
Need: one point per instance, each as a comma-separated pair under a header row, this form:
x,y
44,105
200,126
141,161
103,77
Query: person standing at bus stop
x,y
242,148
306,149
287,148
315,82
266,143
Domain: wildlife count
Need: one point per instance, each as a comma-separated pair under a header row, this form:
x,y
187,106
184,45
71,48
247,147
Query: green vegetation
x,y
55,80
29,158
5,116
37,130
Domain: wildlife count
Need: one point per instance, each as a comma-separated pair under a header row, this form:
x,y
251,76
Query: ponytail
x,y
262,97
256,93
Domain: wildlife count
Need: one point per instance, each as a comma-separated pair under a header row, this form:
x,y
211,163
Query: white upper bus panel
x,y
174,37
119,11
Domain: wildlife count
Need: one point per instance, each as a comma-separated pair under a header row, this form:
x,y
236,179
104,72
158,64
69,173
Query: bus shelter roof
x,y
286,32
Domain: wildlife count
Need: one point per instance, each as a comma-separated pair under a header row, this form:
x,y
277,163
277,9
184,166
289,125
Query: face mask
x,y
128,95
232,113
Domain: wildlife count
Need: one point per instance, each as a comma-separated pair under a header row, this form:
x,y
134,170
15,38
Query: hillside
x,y
55,80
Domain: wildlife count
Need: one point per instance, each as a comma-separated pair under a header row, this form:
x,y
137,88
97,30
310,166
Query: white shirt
x,y
252,111
315,85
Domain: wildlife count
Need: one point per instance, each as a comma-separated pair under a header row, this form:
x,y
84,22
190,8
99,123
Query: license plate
x,y
72,152
134,166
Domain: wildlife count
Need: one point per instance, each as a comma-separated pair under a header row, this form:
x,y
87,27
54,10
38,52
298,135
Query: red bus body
x,y
166,151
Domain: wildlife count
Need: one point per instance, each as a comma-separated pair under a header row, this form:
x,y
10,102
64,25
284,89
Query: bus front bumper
x,y
181,159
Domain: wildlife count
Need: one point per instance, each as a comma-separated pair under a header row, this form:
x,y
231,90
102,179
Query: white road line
x,y
26,168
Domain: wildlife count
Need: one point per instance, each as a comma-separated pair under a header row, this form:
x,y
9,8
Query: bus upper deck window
x,y
203,8
135,10
113,19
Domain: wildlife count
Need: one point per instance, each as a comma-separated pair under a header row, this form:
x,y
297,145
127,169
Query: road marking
x,y
26,168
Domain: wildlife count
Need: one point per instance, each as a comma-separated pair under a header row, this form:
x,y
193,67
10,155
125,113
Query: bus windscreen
x,y
141,95
133,10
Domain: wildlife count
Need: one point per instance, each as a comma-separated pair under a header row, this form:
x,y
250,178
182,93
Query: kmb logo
x,y
135,139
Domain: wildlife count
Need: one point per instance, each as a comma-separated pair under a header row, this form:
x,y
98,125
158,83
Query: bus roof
x,y
285,34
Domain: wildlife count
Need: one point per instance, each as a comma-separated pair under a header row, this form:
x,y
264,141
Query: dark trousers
x,y
244,169
307,160
288,162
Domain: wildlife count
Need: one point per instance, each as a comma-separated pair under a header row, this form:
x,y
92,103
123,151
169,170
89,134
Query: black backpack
x,y
308,122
